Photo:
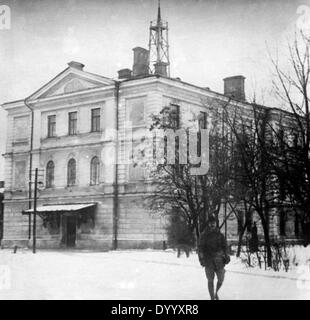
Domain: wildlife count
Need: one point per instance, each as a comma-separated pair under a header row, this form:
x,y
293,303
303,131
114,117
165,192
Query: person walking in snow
x,y
212,252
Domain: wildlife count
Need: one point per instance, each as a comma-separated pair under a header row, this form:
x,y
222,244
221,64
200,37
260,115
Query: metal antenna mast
x,y
159,46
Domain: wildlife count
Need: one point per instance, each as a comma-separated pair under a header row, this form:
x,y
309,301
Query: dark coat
x,y
212,248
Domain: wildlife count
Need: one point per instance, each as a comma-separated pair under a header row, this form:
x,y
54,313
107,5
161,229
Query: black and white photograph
x,y
154,150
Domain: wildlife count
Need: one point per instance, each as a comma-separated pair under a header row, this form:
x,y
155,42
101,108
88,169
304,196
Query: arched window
x,y
50,174
71,172
94,171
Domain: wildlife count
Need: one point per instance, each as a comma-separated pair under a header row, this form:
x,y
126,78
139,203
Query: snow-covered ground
x,y
137,274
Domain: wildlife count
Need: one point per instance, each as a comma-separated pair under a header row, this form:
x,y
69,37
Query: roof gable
x,y
69,81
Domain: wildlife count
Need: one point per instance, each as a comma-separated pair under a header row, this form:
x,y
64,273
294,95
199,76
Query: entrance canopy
x,y
61,207
51,214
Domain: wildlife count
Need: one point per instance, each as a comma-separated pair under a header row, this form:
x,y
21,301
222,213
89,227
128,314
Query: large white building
x,y
66,130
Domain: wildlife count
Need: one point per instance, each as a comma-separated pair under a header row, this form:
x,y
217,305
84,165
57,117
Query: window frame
x,y
72,123
51,126
202,125
202,120
95,125
49,182
175,110
17,137
171,116
22,181
71,183
130,102
135,167
94,171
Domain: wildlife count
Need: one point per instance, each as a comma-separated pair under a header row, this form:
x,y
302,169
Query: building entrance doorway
x,y
69,230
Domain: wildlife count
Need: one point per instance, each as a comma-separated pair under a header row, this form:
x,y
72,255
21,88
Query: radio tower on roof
x,y
159,46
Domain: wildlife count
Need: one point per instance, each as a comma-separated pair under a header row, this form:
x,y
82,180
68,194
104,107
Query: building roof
x,y
104,82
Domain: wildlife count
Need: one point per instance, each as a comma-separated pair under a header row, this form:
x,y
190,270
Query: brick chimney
x,y
161,68
234,87
140,62
76,65
124,73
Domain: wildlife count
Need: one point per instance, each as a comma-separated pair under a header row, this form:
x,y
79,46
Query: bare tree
x,y
194,197
253,177
292,159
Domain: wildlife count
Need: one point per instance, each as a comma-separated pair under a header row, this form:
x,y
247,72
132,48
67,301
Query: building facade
x,y
66,130
73,130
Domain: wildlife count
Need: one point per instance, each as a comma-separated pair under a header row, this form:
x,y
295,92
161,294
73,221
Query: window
x,y
71,172
175,115
50,174
20,174
95,120
72,123
135,111
51,126
202,120
136,168
171,116
283,220
94,171
21,126
298,140
202,124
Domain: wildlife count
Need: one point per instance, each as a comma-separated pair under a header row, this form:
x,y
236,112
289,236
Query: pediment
x,y
70,81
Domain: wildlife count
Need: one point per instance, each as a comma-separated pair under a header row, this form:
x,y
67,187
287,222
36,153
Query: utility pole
x,y
35,211
29,216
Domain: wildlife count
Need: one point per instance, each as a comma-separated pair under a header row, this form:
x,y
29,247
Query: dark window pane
x,y
71,172
202,121
95,119
51,126
72,123
50,174
171,116
174,112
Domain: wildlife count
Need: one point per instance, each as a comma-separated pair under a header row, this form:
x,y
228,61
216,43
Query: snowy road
x,y
131,275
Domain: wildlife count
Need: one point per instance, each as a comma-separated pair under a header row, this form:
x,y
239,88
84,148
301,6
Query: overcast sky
x,y
209,40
